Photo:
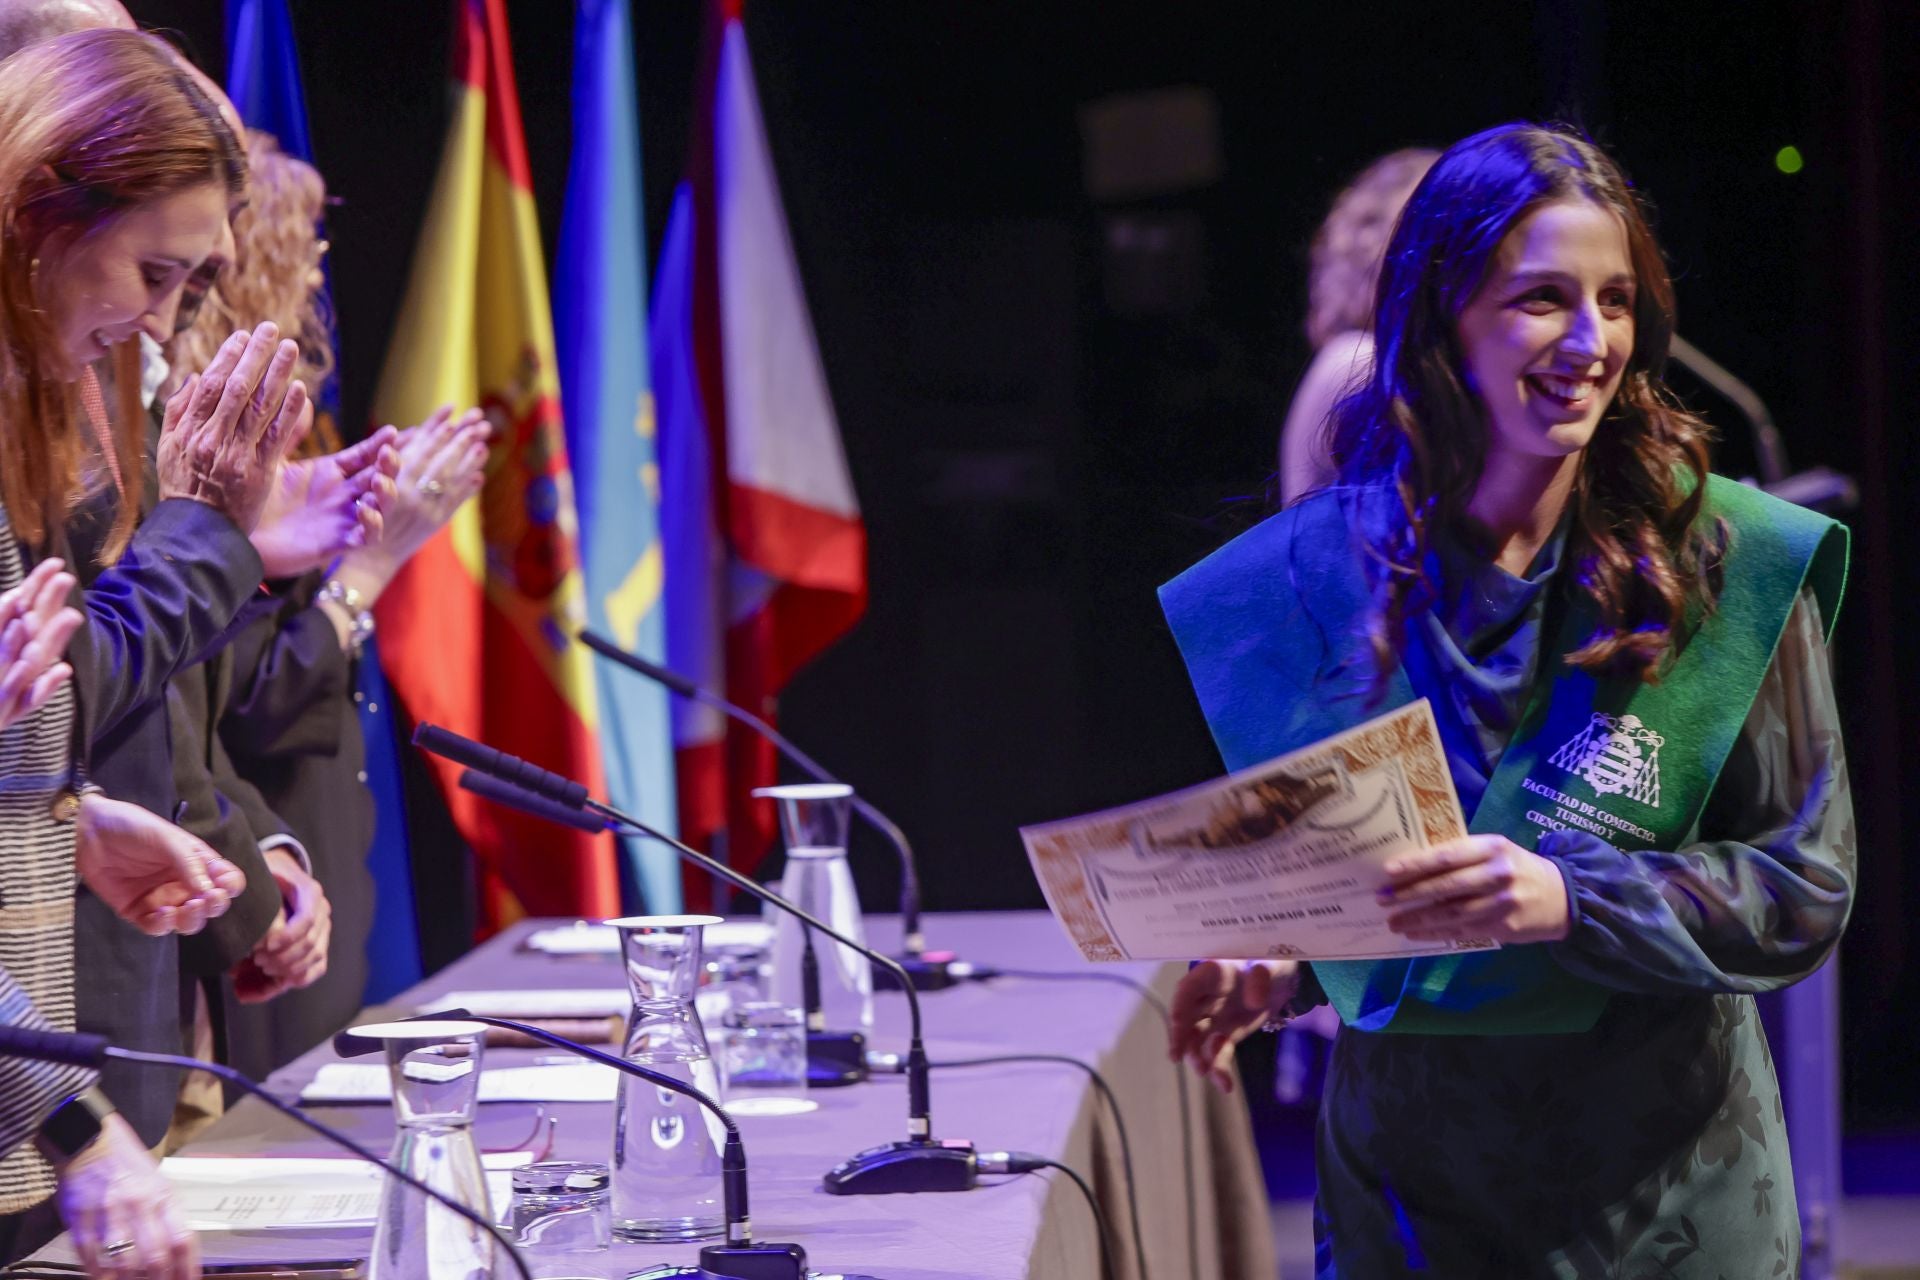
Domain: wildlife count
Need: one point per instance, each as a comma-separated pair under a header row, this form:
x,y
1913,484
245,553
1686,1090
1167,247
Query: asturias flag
x,y
477,630
766,550
600,316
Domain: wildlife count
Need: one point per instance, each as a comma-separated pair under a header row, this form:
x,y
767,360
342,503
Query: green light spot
x,y
1789,160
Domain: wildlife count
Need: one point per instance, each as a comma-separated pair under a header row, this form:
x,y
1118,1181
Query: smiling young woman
x,y
1627,662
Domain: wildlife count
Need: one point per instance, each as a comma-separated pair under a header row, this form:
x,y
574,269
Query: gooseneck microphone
x,y
93,1051
739,1258
918,1164
929,974
498,764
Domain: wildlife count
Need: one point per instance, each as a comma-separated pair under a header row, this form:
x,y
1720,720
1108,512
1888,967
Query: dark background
x,y
1045,419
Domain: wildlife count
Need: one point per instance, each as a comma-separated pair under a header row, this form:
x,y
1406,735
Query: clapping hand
x,y
227,429
35,625
156,876
320,508
1218,1004
442,464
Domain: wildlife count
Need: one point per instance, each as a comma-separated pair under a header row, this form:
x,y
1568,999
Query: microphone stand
x,y
1817,488
834,1058
928,973
739,1258
918,1164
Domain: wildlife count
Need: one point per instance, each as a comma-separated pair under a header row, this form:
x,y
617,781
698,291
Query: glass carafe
x,y
813,821
435,1070
666,1146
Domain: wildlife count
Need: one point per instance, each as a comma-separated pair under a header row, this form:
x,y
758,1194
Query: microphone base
x,y
906,1167
835,1059
754,1261
928,971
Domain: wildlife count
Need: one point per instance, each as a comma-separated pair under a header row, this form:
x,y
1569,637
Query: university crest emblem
x,y
1615,755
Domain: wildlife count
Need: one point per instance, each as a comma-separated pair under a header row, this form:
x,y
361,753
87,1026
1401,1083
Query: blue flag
x,y
600,323
263,79
393,943
263,73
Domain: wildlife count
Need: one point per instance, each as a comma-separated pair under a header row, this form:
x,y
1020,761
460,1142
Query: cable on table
x,y
1179,1078
1027,1162
1119,1123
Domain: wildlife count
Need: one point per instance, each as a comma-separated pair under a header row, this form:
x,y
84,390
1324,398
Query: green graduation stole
x,y
1271,629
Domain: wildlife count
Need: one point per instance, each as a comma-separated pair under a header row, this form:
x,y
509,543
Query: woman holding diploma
x,y
1627,659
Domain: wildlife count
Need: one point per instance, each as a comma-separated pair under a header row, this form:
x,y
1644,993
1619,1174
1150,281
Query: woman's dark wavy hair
x,y
1417,427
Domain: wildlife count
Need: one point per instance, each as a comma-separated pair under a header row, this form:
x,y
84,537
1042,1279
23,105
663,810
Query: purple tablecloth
x,y
1023,1226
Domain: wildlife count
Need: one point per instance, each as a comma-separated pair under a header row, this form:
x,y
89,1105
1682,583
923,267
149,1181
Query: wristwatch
x,y
360,626
73,1124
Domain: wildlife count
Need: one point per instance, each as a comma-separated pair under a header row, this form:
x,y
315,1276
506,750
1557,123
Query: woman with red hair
x,y
116,177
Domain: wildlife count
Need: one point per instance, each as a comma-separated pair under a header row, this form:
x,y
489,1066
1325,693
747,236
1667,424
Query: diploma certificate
x,y
1281,860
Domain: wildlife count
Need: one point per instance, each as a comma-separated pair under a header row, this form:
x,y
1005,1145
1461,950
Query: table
x,y
1035,1225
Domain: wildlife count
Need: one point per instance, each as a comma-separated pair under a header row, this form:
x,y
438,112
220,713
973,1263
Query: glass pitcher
x,y
813,821
666,1146
435,1070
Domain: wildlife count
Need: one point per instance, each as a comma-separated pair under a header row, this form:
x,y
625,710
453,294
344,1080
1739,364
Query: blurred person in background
x,y
1343,271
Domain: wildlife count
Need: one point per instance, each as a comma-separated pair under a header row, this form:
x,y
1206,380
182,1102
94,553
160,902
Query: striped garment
x,y
37,883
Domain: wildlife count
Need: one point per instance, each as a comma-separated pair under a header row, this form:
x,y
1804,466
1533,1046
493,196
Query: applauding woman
x,y
116,174
287,718
1627,661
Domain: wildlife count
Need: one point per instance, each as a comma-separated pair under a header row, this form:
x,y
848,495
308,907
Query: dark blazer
x,y
292,729
226,812
172,597
169,601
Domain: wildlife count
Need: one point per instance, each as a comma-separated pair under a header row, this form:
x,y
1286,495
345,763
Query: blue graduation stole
x,y
1272,629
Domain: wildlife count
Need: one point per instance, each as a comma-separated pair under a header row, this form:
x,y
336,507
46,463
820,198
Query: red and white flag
x,y
761,531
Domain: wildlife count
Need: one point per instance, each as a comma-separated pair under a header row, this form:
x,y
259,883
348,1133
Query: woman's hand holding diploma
x,y
1476,887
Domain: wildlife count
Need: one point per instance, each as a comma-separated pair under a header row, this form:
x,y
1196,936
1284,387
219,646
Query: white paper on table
x,y
564,1082
532,1005
230,1193
604,940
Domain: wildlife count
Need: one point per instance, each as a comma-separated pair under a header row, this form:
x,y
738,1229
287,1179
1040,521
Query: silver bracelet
x,y
361,625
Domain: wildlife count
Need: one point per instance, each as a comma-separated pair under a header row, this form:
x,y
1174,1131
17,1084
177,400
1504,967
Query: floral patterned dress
x,y
1653,1145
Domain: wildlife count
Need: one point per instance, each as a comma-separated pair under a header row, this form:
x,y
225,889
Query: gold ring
x,y
432,488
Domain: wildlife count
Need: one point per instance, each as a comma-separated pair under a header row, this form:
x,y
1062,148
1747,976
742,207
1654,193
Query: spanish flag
x,y
476,632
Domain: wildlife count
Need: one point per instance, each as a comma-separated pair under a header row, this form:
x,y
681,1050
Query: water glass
x,y
734,975
562,1218
764,1047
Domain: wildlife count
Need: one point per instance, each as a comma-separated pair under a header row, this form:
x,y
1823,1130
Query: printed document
x,y
1281,860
